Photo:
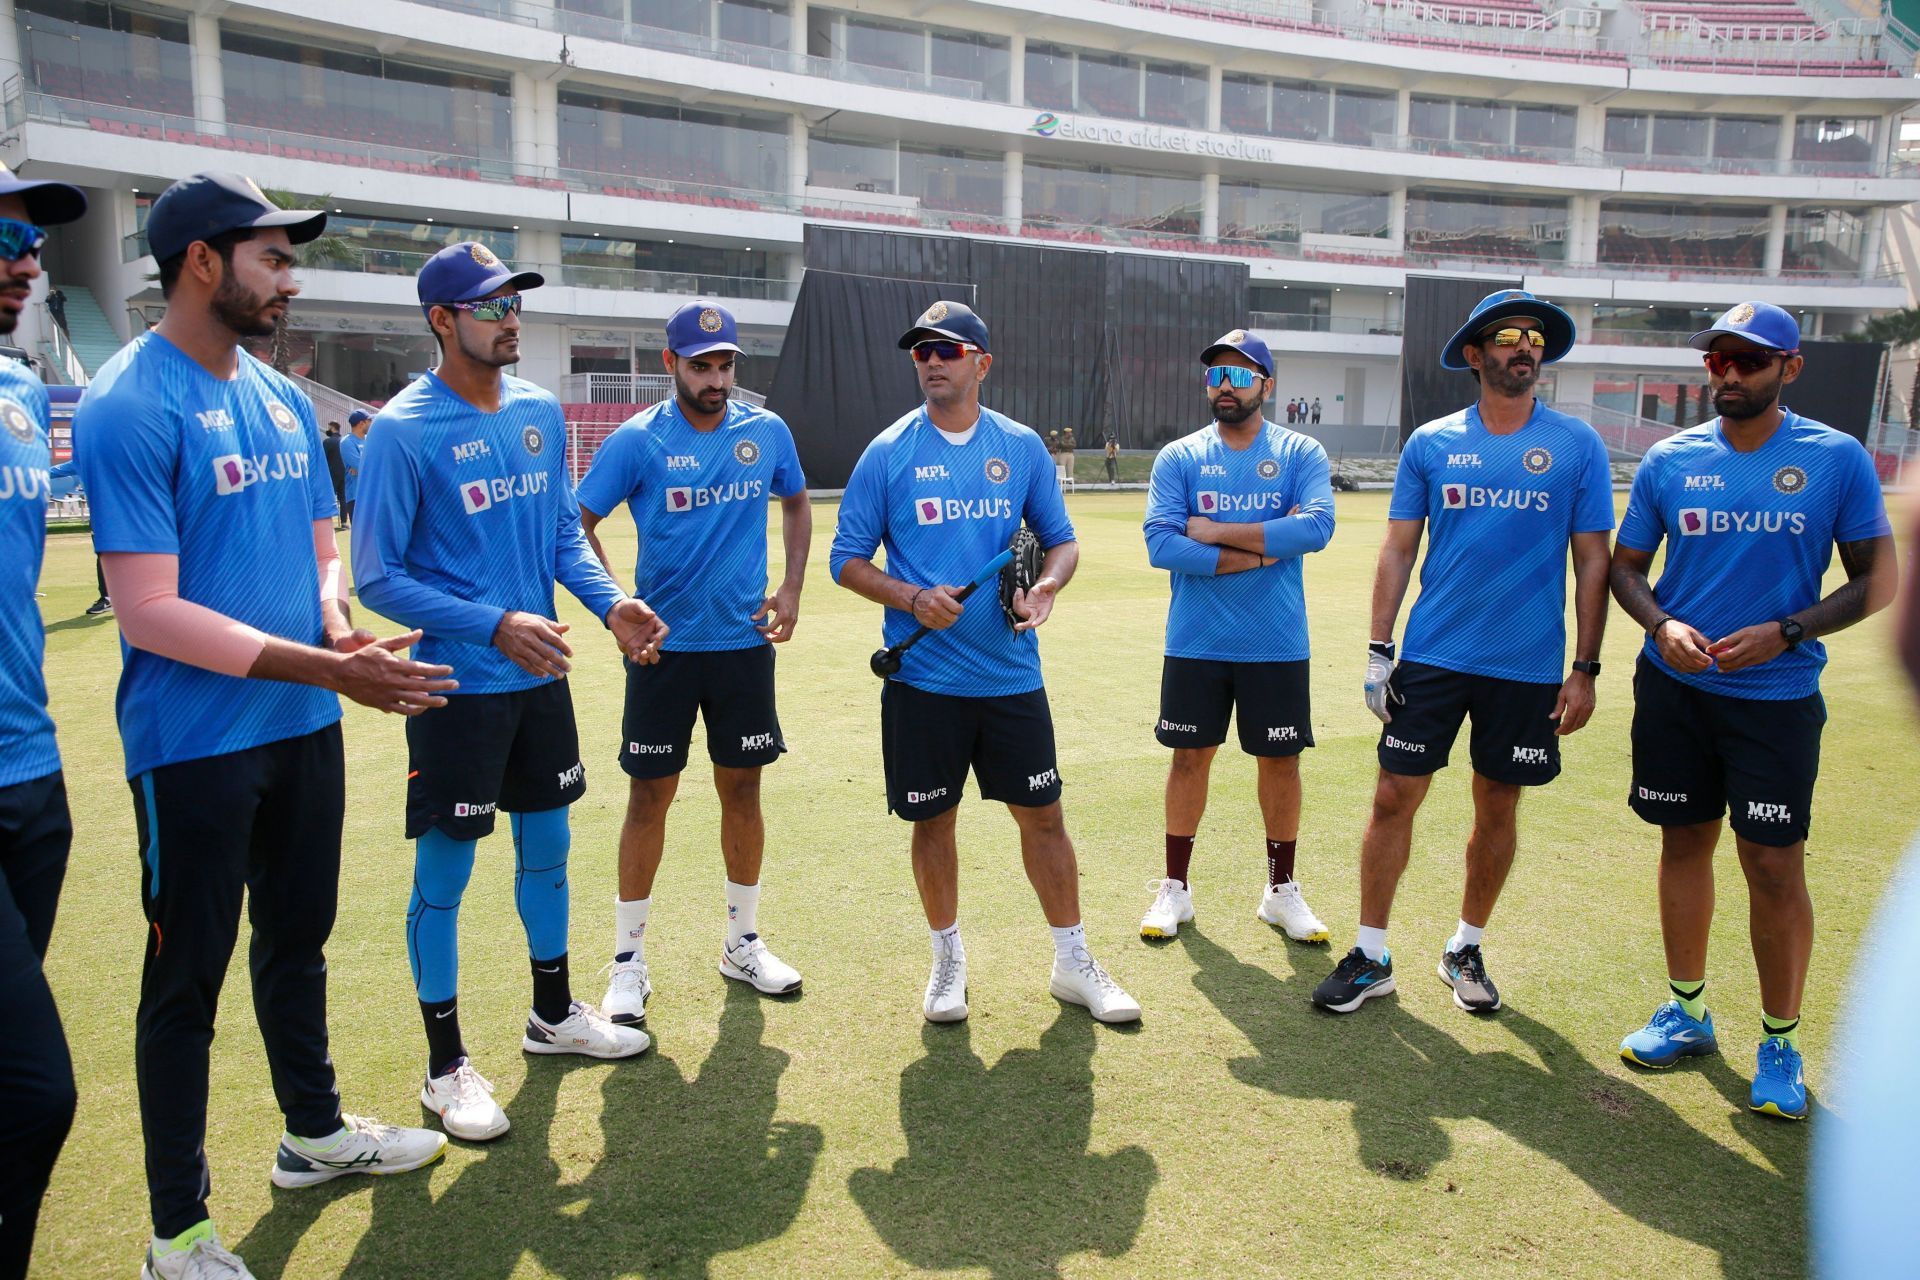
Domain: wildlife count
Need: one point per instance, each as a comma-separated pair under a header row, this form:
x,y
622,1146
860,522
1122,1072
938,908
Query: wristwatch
x,y
1792,632
1586,668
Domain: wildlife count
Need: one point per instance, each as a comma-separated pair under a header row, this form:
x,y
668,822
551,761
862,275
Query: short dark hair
x,y
222,244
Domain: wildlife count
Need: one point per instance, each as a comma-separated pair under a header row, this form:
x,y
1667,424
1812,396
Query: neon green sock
x,y
1691,995
200,1230
1787,1029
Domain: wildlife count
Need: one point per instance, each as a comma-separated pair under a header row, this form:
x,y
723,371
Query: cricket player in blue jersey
x,y
945,489
352,450
467,520
1231,511
1727,709
1502,489
36,1071
696,471
213,516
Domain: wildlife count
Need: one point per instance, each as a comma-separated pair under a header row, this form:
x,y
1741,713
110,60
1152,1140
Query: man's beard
x,y
484,353
1507,380
696,402
241,311
1237,414
1744,403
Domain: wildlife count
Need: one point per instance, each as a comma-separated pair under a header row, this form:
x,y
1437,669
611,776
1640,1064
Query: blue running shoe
x,y
1778,1089
1669,1036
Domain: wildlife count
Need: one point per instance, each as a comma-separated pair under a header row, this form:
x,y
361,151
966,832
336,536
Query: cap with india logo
x,y
1761,323
700,327
467,272
1249,344
955,320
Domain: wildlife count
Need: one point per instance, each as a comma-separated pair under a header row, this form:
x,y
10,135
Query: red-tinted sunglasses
x,y
1747,362
925,351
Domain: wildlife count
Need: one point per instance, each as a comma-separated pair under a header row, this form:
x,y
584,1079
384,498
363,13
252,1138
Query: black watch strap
x,y
1792,632
1586,668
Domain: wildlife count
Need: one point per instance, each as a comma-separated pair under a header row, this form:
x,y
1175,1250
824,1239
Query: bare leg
x,y
1490,848
1280,796
1686,897
643,834
1187,789
1051,868
743,832
1387,843
1780,918
936,868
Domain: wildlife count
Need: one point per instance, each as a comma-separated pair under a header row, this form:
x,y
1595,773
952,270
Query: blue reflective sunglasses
x,y
490,310
20,240
1230,376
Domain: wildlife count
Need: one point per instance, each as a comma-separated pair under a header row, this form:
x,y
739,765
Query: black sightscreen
x,y
1081,338
1838,385
1436,306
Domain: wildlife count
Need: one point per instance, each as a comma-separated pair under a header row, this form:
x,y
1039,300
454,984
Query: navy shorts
x,y
1513,730
1270,701
483,752
928,742
732,689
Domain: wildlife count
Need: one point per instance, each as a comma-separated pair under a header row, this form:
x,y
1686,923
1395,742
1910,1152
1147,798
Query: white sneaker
x,y
1283,906
947,987
585,1030
1082,981
367,1146
748,960
628,990
1172,907
205,1259
463,1099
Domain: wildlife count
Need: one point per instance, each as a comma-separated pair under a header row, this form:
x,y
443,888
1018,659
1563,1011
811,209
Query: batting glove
x,y
1380,665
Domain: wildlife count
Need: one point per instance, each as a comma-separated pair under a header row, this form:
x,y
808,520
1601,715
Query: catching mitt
x,y
1021,572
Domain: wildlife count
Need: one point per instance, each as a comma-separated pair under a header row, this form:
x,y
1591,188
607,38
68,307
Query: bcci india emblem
x,y
746,453
282,416
1790,480
1537,461
1235,338
534,441
483,255
935,314
710,321
1740,314
1268,468
997,470
19,425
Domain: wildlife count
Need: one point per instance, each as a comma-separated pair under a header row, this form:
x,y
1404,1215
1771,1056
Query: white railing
x,y
1623,433
58,351
329,405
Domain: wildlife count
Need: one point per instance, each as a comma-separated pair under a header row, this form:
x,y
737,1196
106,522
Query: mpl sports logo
x,y
1283,733
233,472
469,450
574,774
685,498
1041,781
755,741
1462,497
934,471
481,495
1758,812
940,510
1530,755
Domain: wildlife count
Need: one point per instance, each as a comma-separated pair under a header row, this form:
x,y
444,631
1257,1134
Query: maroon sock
x,y
1279,861
1179,857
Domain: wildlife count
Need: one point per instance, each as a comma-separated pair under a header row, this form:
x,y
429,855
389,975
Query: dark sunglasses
x,y
1747,362
1534,338
1228,375
925,351
488,309
20,240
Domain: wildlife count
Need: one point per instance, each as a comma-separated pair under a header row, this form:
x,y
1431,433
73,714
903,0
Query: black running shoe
x,y
1466,972
1356,980
100,608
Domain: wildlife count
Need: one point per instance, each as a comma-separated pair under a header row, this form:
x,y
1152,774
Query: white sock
x,y
1373,942
1065,940
1465,935
743,905
947,940
630,927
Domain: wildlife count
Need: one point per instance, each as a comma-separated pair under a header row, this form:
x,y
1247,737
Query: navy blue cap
x,y
467,272
1510,304
358,416
211,204
1247,343
699,327
48,203
954,320
1761,323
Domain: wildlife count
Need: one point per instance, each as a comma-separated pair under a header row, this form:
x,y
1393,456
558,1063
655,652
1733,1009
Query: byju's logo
x,y
462,810
1209,501
1453,497
928,511
679,498
1693,521
229,473
475,496
1661,797
1395,744
925,797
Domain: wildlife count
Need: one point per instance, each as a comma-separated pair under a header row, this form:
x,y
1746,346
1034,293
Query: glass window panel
x,y
1110,86
396,246
610,10
850,164
1496,227
1680,135
689,16
1535,126
882,44
751,22
1358,115
1431,118
1832,240
1300,109
1634,233
957,181
1253,211
1049,77
1097,196
1482,122
663,141
1627,133
1841,141
981,60
105,53
1176,94
1745,138
1243,104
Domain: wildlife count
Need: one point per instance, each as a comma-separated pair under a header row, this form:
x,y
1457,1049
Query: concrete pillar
x,y
1590,127
1210,202
1017,71
1397,218
1776,238
541,247
797,29
1403,113
10,65
797,162
1783,154
1870,264
209,83
546,124
525,111
1583,230
1214,79
1013,190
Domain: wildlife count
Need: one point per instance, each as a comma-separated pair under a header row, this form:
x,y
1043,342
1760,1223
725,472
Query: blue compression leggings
x,y
441,868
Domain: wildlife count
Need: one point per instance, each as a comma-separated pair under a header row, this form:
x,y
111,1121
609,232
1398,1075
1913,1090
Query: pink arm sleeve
x,y
145,590
332,579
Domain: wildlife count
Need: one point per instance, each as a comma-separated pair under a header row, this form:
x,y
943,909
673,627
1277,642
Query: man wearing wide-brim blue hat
x,y
1502,490
1508,304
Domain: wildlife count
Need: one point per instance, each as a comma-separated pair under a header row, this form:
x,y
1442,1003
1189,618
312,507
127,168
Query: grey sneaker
x,y
1466,972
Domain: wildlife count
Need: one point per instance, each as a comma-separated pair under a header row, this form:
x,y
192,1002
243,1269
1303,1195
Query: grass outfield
x,y
1237,1130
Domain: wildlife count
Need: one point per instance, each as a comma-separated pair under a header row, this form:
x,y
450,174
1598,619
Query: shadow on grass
x,y
691,1169
997,1172
1404,1076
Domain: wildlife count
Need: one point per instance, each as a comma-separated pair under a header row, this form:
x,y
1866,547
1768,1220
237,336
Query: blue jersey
x,y
943,511
699,501
1500,512
1257,615
352,449
229,476
27,749
1749,537
465,515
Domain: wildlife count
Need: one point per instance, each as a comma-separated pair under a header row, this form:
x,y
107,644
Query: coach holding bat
x,y
945,489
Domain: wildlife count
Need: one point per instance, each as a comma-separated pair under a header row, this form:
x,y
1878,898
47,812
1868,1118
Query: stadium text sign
x,y
1151,136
